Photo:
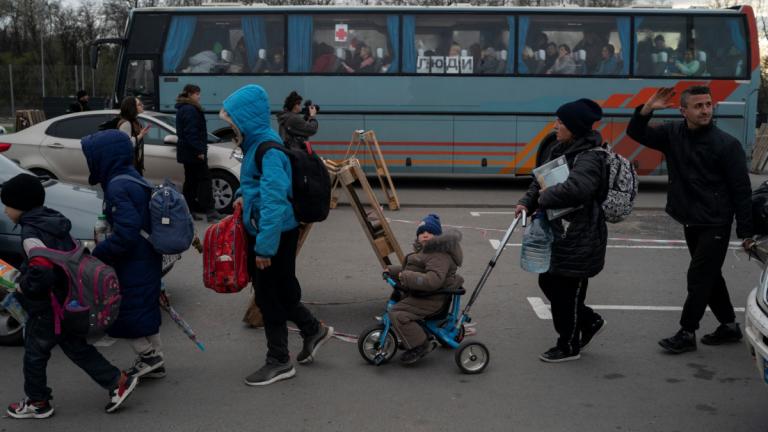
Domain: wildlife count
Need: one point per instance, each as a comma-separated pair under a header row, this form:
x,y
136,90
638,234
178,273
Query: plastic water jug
x,y
537,245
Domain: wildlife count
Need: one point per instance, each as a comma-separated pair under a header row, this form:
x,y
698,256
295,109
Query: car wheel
x,y
41,172
224,186
11,332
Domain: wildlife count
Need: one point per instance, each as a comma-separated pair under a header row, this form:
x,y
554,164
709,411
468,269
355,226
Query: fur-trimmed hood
x,y
181,100
448,242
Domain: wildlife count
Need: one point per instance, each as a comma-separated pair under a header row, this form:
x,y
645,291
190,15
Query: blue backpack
x,y
172,228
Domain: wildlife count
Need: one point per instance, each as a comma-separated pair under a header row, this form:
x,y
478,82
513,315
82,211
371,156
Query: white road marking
x,y
543,310
496,243
476,214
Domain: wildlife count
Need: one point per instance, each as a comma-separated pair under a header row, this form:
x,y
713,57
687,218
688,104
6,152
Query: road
x,y
622,383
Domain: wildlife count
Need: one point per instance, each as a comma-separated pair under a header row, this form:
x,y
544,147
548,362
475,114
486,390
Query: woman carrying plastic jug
x,y
579,238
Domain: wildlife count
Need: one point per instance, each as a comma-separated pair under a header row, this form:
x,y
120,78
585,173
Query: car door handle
x,y
56,146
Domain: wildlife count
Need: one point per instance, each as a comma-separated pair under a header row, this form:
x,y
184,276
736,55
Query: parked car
x,y
81,205
52,148
756,316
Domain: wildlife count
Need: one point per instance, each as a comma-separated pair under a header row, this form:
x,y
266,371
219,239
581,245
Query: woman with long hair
x,y
130,108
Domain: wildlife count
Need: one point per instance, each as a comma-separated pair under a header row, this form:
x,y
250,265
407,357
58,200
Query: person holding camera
x,y
297,124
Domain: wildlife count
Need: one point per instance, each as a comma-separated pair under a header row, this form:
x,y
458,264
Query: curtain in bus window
x,y
511,45
393,28
409,44
737,36
299,43
255,33
179,36
638,26
624,37
522,67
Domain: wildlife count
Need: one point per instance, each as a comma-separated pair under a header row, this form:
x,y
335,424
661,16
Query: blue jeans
x,y
39,341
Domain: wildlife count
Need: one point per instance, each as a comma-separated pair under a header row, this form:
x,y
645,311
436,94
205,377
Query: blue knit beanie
x,y
430,224
579,116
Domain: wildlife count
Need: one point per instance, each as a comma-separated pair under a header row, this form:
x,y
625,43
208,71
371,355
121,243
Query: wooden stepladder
x,y
350,175
367,142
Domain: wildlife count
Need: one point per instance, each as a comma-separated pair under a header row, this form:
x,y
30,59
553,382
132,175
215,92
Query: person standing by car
x,y
708,185
81,104
137,264
130,108
580,237
23,197
295,128
273,234
192,152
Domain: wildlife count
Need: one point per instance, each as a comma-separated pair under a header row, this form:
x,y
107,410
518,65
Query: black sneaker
x,y
415,354
120,393
682,341
313,343
27,409
557,355
724,334
146,363
156,374
271,373
588,334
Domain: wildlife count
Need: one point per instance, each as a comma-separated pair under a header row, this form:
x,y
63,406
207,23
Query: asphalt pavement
x,y
624,382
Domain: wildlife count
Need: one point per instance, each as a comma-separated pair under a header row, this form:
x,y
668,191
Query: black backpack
x,y
310,182
760,209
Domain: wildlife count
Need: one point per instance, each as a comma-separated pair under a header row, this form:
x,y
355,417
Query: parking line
x,y
543,310
495,245
478,213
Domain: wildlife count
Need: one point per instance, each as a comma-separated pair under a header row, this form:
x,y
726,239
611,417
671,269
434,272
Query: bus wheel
x,y
224,186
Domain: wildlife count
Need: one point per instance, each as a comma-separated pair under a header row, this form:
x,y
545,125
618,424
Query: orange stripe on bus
x,y
641,97
722,89
616,100
526,151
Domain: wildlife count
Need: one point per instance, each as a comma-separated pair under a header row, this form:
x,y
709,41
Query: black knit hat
x,y
23,192
579,116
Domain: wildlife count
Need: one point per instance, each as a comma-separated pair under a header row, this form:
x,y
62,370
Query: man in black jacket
x,y
580,237
81,104
295,128
708,184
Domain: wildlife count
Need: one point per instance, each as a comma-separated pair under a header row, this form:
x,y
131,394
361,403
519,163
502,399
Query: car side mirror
x,y
171,139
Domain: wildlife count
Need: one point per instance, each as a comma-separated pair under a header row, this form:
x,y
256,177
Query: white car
x,y
756,316
52,148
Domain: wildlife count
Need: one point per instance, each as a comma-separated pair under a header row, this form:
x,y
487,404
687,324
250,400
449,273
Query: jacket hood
x,y
283,117
447,242
48,221
249,109
181,100
109,154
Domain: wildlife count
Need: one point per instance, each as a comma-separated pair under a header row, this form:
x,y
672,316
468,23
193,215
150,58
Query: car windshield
x,y
8,169
171,121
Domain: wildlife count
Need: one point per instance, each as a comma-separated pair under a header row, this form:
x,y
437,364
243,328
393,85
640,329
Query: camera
x,y
305,110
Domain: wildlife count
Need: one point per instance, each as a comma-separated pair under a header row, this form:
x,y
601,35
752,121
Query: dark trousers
x,y
706,286
39,341
278,295
569,313
198,189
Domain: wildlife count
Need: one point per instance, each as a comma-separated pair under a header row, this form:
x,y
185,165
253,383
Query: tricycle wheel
x,y
472,357
370,345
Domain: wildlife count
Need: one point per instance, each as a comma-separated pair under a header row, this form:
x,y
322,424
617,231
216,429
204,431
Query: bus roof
x,y
443,9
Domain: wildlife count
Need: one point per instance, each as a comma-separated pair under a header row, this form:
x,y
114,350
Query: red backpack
x,y
225,254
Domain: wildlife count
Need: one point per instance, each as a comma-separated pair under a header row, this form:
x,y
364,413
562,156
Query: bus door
x,y
141,80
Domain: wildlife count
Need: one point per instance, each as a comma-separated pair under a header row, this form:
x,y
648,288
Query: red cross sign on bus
x,y
342,32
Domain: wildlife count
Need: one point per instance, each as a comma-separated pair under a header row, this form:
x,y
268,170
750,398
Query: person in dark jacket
x,y
23,197
580,237
273,236
81,104
137,264
708,185
294,128
192,152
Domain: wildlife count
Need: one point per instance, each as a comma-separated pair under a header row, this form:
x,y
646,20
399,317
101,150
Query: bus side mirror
x,y
94,56
171,139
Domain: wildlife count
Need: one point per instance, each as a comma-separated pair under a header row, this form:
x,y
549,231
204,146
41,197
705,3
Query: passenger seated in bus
x,y
364,61
564,65
326,60
609,65
662,56
202,62
540,41
489,64
262,65
644,54
551,58
239,59
277,62
593,45
689,66
530,60
455,50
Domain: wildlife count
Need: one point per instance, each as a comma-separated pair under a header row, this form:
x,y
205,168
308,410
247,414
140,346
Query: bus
x,y
448,90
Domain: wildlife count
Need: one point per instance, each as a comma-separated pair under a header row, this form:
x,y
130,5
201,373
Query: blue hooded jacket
x,y
126,206
267,211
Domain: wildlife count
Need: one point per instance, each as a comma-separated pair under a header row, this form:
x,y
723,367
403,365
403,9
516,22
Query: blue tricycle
x,y
378,344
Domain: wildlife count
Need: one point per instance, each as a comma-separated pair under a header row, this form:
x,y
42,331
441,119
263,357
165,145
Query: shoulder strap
x,y
57,255
262,150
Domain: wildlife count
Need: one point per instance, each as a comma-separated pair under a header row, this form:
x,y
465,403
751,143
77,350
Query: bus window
x,y
721,46
221,44
140,81
662,46
573,45
345,44
460,44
